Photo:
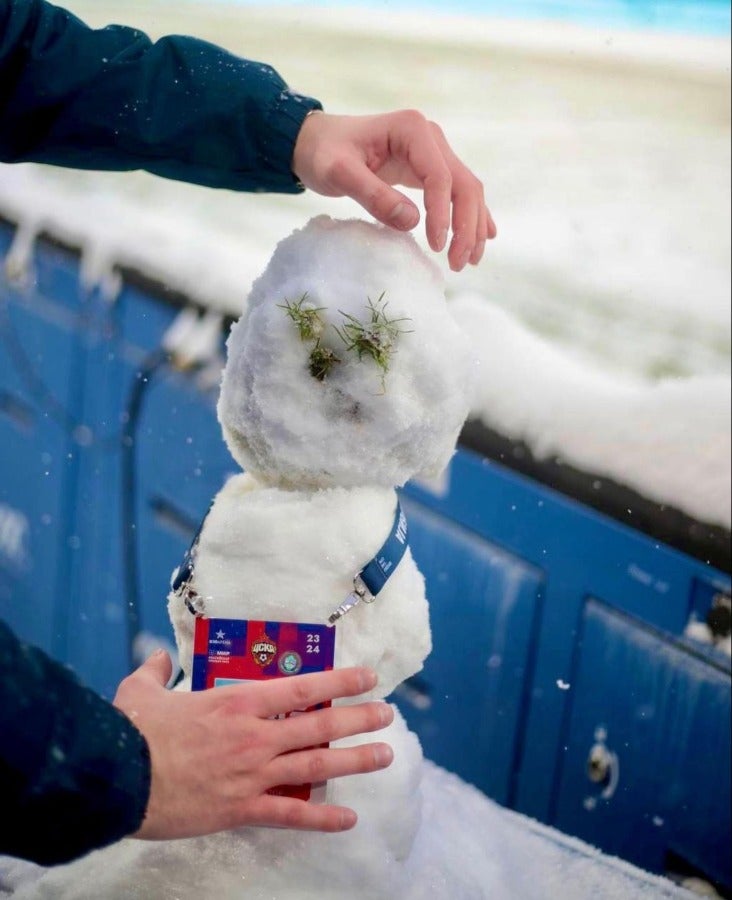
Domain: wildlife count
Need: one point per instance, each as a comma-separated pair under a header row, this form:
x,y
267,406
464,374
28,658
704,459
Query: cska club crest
x,y
264,650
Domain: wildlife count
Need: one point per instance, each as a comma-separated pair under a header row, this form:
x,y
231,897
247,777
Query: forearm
x,y
112,99
74,771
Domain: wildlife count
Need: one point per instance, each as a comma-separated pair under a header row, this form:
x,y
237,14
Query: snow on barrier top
x,y
669,439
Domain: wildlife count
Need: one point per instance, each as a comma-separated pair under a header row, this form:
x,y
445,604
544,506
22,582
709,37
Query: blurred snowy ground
x,y
605,156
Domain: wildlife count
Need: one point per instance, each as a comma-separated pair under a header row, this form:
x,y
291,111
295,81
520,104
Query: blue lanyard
x,y
366,584
374,575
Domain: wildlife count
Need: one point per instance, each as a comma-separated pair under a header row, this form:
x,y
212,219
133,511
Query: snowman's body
x,y
267,554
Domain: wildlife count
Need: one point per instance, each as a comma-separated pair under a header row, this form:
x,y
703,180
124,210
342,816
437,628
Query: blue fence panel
x,y
656,718
99,649
39,380
181,462
466,704
581,553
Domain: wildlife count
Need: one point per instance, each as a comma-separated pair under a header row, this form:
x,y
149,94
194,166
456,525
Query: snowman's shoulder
x,y
225,504
235,487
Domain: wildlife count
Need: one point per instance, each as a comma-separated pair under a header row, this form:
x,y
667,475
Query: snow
x,y
668,439
360,424
692,54
702,633
469,848
115,231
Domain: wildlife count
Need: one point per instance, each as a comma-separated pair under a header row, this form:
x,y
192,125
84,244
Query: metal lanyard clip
x,y
360,592
192,599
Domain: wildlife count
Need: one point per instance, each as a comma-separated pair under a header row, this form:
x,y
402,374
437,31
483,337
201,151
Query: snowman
x,y
345,377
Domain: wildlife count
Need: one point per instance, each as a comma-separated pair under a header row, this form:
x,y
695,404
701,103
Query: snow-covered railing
x,y
652,453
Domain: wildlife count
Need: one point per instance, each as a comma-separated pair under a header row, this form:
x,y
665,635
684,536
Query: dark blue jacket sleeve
x,y
74,771
112,99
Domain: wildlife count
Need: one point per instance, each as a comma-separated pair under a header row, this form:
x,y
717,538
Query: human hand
x,y
362,156
215,753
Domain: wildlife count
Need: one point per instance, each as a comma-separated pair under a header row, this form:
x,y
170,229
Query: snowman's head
x,y
346,367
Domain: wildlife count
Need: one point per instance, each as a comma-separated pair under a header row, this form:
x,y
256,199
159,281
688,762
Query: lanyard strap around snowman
x,y
181,581
374,575
366,584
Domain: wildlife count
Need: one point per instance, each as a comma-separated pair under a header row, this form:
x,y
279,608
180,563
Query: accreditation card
x,y
231,651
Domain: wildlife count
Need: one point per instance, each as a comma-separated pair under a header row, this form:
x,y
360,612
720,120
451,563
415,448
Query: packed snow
x,y
332,396
668,439
362,423
469,849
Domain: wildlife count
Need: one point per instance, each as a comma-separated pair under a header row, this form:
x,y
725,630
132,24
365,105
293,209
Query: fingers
x,y
314,766
351,176
428,162
486,231
325,725
156,667
284,812
465,216
452,194
363,157
472,223
282,695
481,235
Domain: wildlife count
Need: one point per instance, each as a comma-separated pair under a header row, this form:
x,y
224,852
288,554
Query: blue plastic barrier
x,y
182,466
484,606
39,377
558,632
663,713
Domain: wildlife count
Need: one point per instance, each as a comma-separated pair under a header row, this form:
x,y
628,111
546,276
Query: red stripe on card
x,y
200,637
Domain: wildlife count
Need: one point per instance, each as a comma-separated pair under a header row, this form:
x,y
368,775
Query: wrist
x,y
304,142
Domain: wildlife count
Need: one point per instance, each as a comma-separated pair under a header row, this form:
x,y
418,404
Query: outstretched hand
x,y
216,753
363,156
